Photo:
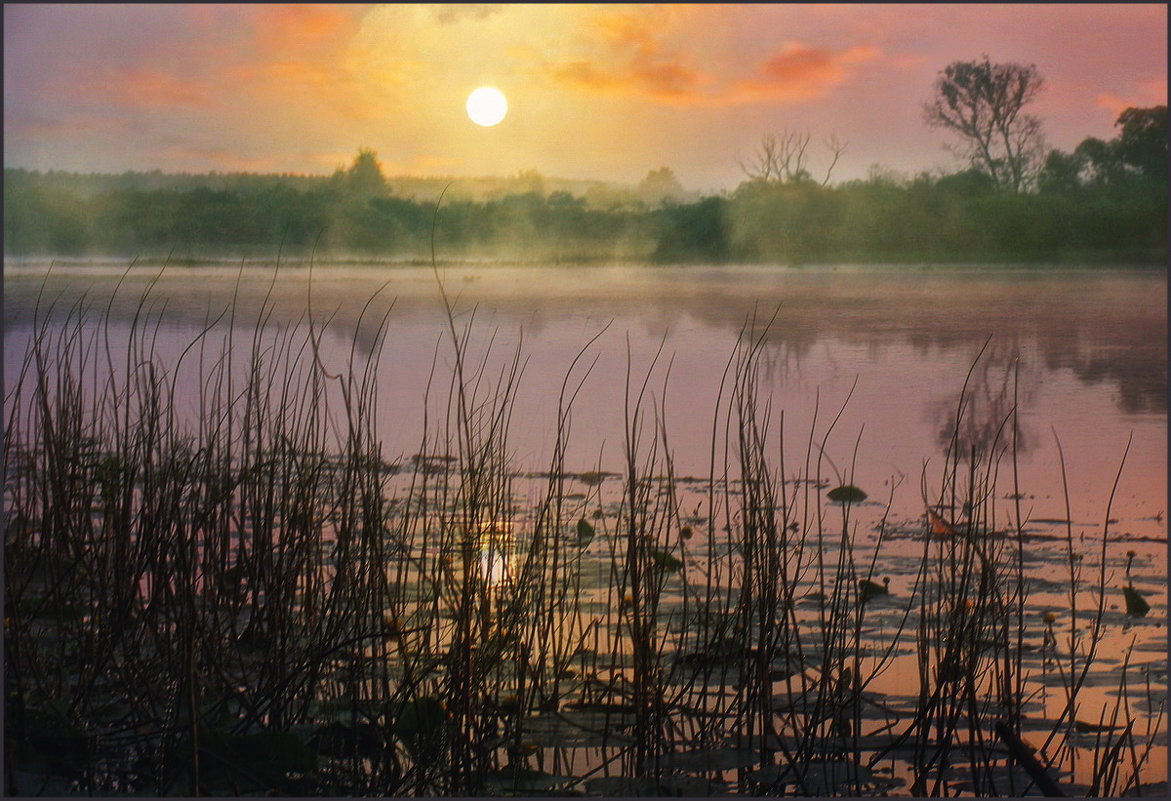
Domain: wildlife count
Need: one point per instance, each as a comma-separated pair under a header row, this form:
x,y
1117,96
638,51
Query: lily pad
x,y
421,724
583,729
816,777
847,493
635,787
872,589
585,532
665,561
708,760
1136,605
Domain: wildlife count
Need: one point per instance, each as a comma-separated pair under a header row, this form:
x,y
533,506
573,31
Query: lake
x,y
857,376
1090,347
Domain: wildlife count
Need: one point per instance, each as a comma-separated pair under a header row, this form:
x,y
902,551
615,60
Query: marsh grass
x,y
230,590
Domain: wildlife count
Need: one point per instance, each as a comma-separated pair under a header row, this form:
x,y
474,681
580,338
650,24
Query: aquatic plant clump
x,y
236,591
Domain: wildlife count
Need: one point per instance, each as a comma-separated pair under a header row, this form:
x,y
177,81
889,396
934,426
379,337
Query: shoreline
x,y
42,264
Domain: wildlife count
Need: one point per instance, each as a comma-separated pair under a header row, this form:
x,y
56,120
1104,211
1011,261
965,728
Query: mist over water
x,y
1083,350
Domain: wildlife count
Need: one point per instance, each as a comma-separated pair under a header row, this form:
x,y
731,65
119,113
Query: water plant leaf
x,y
421,724
939,526
585,532
871,589
1136,605
665,561
716,759
643,786
593,478
815,777
847,493
578,729
719,650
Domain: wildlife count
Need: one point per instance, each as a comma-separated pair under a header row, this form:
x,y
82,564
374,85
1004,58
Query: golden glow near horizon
x,y
595,91
487,106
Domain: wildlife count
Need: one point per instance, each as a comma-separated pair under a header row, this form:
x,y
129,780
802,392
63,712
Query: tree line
x,y
356,212
1015,200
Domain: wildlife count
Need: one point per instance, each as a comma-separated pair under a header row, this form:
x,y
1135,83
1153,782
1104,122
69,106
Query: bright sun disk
x,y
487,106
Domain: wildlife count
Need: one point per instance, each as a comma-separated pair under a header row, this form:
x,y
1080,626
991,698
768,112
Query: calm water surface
x,y
1084,351
871,362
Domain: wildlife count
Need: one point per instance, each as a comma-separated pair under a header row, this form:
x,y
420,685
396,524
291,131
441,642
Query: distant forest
x,y
1105,201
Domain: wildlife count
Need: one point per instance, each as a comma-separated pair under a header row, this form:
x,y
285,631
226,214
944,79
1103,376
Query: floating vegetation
x,y
869,590
846,493
813,778
585,533
1136,605
665,561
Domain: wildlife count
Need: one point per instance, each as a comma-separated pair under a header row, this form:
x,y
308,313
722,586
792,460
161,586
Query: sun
x,y
487,106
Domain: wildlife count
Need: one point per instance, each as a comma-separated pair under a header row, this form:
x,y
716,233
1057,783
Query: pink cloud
x,y
799,72
1149,93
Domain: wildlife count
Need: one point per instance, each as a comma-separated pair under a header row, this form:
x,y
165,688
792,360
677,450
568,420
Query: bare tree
x,y
784,157
984,103
837,147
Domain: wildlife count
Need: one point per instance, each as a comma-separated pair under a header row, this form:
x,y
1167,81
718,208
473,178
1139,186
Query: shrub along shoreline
x,y
951,219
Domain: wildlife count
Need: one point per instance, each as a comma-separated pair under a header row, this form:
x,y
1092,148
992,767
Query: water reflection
x,y
978,418
1083,351
1106,327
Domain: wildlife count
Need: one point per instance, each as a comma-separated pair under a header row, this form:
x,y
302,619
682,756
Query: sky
x,y
595,91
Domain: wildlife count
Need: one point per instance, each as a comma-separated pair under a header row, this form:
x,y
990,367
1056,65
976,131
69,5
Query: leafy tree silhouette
x,y
984,103
364,177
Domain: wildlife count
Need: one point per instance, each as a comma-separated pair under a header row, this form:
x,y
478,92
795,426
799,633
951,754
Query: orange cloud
x,y
796,73
625,53
627,57
287,75
447,13
799,72
303,26
330,84
307,54
626,31
141,88
663,81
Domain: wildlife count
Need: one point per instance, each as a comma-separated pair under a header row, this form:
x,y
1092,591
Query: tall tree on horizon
x,y
364,176
984,103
